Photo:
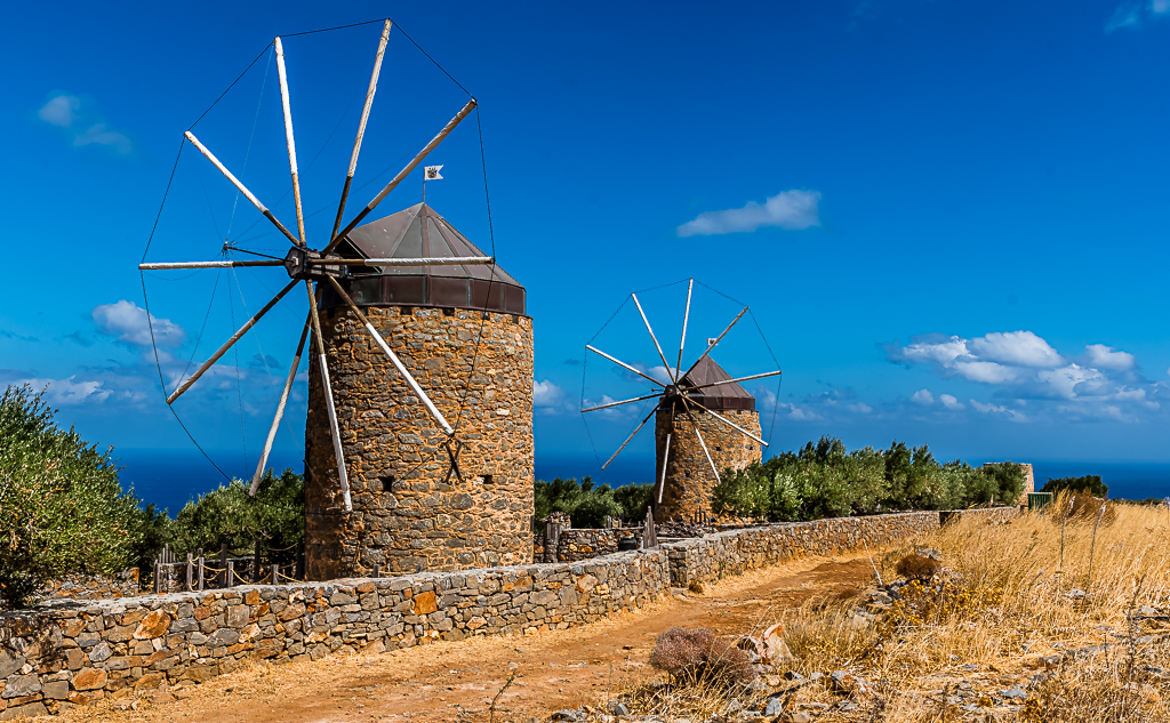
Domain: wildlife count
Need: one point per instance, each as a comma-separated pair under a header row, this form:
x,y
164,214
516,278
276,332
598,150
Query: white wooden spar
x,y
228,344
410,380
239,186
447,261
166,265
403,173
717,340
737,380
623,401
632,435
327,390
288,137
357,143
665,460
682,342
727,421
703,444
669,372
622,364
288,382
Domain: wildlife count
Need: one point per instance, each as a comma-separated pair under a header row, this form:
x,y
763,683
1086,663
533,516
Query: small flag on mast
x,y
431,173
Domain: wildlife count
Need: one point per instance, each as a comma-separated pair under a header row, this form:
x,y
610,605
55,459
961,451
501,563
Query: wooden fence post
x,y
275,573
157,576
201,565
190,572
230,573
377,570
223,562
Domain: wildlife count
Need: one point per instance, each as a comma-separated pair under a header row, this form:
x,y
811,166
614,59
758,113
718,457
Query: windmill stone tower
x,y
422,500
689,479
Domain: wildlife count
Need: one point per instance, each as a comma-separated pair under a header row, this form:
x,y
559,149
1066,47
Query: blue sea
x,y
170,478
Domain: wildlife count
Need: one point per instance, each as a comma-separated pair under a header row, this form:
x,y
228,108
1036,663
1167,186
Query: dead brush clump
x,y
695,655
918,567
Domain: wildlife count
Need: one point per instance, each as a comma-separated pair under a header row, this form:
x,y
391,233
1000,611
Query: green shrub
x,y
228,515
62,509
588,506
1089,483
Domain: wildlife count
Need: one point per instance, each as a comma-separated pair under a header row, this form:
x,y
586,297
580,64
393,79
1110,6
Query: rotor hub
x,y
305,263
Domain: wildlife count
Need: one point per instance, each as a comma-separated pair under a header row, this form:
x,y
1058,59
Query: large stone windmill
x,y
419,431
705,422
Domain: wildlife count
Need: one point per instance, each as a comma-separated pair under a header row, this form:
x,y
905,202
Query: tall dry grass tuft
x,y
1007,604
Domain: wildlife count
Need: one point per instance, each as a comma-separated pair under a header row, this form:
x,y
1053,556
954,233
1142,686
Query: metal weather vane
x,y
308,266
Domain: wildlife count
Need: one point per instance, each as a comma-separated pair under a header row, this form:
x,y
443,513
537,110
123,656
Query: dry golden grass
x,y
1051,606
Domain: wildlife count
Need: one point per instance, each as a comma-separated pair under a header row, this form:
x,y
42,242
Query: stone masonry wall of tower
x,y
409,514
689,479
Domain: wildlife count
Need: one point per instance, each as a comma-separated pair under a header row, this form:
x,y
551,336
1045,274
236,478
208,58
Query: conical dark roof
x,y
420,232
723,396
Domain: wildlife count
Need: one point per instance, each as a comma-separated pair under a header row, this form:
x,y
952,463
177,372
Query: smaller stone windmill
x,y
705,421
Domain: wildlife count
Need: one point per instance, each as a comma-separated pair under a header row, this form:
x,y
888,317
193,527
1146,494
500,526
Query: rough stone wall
x,y
92,587
582,544
689,479
73,652
409,513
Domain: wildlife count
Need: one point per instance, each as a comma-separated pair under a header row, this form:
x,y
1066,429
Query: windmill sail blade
x,y
702,443
632,435
669,372
738,380
167,265
620,403
437,261
402,174
665,460
727,421
622,364
327,390
357,143
228,344
292,374
717,340
682,342
239,186
288,137
410,380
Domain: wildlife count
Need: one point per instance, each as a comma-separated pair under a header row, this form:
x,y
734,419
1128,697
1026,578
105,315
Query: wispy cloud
x,y
547,396
79,119
792,210
1021,366
69,391
127,322
1133,15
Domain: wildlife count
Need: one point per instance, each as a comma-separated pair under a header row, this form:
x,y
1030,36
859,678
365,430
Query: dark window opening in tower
x,y
387,483
487,479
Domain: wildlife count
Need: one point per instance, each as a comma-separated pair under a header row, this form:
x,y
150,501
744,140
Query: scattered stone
x,y
1075,594
775,706
1013,694
617,707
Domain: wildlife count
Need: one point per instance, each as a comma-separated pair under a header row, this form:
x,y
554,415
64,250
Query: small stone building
x,y
689,481
463,333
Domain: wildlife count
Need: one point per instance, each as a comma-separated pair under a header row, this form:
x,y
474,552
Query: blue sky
x,y
949,219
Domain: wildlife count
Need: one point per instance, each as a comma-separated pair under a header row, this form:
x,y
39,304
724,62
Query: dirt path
x,y
456,681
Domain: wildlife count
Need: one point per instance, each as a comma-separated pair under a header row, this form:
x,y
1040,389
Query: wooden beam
x,y
619,403
717,340
623,365
686,318
737,380
632,434
403,173
288,137
357,143
410,380
239,186
727,421
665,460
669,372
327,388
167,265
288,382
228,344
437,261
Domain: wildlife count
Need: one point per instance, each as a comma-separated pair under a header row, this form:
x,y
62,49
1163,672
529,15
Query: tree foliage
x,y
588,505
825,480
62,509
228,515
1089,483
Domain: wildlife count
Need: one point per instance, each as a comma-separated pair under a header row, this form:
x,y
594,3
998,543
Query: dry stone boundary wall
x,y
74,652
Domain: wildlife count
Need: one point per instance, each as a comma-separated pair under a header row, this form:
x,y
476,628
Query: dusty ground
x,y
456,681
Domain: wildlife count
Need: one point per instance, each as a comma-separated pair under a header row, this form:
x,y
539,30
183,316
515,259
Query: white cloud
x,y
661,373
82,123
1135,14
923,397
545,394
949,401
792,210
69,391
996,409
943,353
1022,348
1106,357
127,322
